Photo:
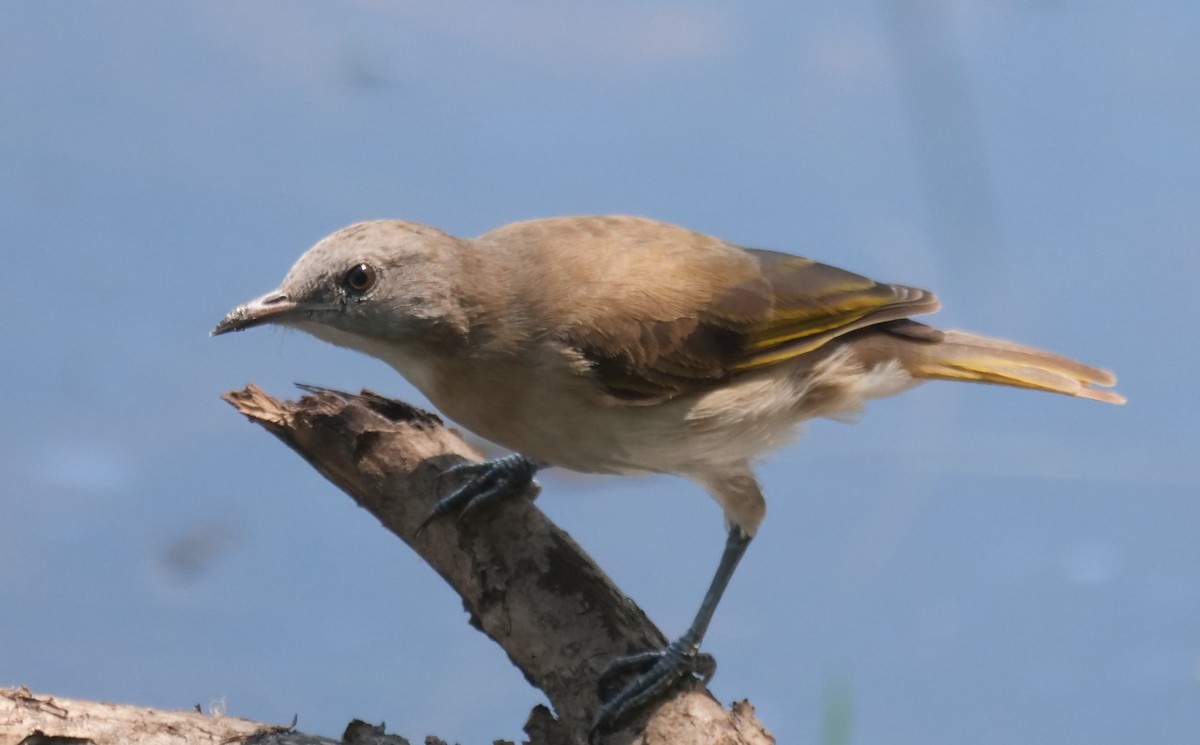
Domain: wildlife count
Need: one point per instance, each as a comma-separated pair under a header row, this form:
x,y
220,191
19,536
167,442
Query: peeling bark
x,y
523,581
526,584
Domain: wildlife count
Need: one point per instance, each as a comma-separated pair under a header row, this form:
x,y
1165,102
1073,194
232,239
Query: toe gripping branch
x,y
483,482
653,672
658,670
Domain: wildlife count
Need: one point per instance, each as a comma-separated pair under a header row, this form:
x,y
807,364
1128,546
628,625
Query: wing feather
x,y
788,307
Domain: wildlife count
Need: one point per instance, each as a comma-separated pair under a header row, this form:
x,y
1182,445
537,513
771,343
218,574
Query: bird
x,y
623,345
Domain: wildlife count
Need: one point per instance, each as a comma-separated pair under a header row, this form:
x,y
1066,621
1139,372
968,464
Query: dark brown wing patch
x,y
790,307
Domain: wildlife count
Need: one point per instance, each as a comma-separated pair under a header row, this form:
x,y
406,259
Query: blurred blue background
x,y
967,564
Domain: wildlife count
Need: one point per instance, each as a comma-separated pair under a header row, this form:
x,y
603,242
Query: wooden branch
x,y
525,583
30,719
27,718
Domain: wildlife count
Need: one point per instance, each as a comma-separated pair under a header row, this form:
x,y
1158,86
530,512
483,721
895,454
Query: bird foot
x,y
655,672
483,482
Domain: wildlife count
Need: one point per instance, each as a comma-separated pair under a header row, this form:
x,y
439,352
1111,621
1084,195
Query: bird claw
x,y
656,671
484,482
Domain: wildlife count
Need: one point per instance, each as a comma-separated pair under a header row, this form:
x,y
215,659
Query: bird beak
x,y
266,309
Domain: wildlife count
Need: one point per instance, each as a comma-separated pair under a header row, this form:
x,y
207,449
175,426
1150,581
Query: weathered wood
x,y
32,719
525,583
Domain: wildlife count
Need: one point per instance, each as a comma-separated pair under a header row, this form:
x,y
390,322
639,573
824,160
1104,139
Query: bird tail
x,y
963,356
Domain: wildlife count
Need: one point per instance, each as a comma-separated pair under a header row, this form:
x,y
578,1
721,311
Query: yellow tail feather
x,y
964,356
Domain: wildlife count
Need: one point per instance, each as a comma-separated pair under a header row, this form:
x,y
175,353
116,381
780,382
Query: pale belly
x,y
561,420
555,416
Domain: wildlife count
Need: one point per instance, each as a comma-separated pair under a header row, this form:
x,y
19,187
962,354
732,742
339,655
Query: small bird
x,y
622,345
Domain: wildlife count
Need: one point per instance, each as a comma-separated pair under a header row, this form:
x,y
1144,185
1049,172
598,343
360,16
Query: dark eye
x,y
360,278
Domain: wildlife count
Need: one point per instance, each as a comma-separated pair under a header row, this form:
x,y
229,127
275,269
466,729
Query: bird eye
x,y
359,278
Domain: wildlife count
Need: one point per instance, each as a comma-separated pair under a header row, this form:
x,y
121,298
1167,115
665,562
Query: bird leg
x,y
661,669
484,482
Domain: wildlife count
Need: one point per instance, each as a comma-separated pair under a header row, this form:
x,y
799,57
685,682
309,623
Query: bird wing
x,y
814,302
786,308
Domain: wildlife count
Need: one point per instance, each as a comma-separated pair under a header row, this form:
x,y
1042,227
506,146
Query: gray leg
x,y
485,482
662,669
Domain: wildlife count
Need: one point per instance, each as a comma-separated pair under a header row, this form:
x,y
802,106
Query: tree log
x,y
523,581
30,719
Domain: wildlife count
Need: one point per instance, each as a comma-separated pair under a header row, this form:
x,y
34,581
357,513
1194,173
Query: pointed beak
x,y
266,309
